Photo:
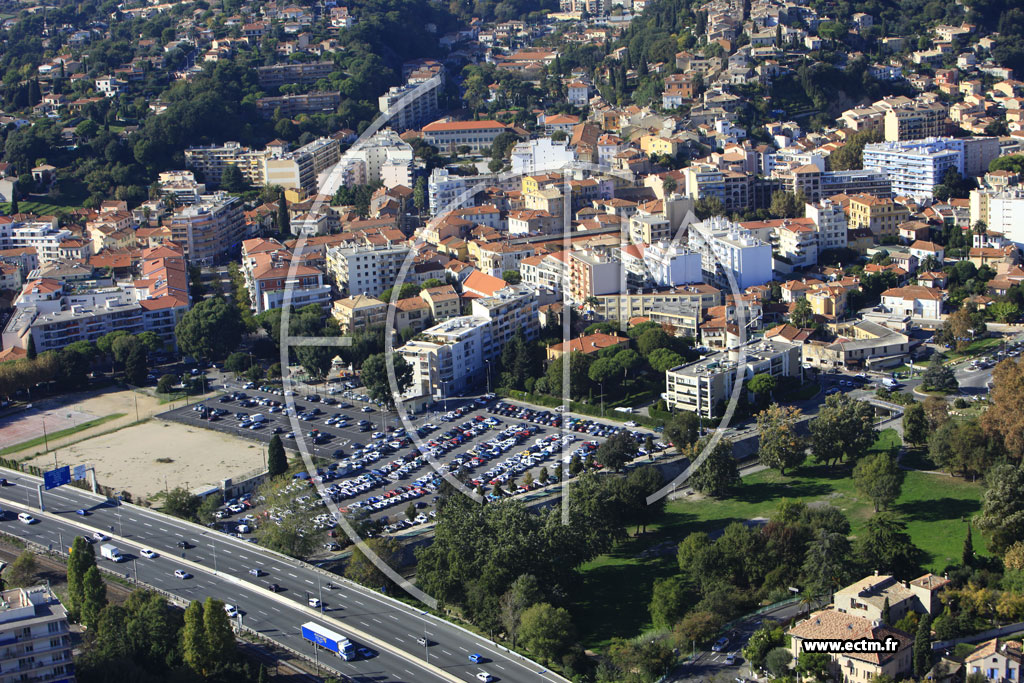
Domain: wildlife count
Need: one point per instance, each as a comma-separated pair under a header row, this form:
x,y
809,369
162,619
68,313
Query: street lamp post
x,y
488,361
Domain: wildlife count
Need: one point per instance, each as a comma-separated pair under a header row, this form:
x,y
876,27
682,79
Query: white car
x,y
26,518
231,611
314,602
100,536
182,574
485,677
147,553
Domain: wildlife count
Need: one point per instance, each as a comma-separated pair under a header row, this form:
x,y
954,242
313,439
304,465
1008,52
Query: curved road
x,y
221,564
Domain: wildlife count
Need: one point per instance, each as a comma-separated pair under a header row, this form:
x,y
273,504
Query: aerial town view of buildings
x,y
588,340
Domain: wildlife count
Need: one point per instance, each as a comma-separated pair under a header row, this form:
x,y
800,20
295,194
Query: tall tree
x,y
827,563
718,474
1002,507
616,451
80,559
923,647
546,631
885,546
94,597
210,330
843,430
283,222
682,430
220,639
967,556
780,447
939,377
362,569
915,424
879,478
1004,418
193,638
277,461
521,595
375,377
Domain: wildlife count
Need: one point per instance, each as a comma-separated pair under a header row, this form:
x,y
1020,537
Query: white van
x,y
258,417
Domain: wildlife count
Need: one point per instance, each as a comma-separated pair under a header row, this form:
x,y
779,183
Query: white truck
x,y
890,383
111,552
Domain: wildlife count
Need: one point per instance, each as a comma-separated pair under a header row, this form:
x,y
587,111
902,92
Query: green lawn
x,y
38,208
975,348
60,434
617,586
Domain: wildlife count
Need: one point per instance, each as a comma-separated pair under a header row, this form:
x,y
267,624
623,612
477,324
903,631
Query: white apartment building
x,y
705,386
448,358
798,243
541,154
445,189
448,136
365,270
300,168
830,221
592,273
181,185
383,158
411,105
512,309
43,236
210,229
726,248
37,642
671,265
1002,212
549,271
647,228
211,161
915,167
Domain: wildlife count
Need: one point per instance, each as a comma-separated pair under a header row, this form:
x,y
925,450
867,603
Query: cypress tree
x,y
94,597
30,350
284,225
277,463
923,647
968,555
193,638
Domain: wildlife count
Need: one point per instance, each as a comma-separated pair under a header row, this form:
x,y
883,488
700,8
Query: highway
x,y
220,565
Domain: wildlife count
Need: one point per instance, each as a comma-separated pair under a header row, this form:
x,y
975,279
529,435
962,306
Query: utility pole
x,y
46,443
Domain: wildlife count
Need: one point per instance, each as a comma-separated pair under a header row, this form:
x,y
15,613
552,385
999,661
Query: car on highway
x,y
484,677
273,588
100,536
314,602
231,611
184,545
82,512
366,653
422,642
151,554
720,644
256,572
182,574
475,658
26,518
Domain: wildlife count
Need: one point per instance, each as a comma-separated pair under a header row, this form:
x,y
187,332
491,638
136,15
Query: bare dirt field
x,y
156,455
72,410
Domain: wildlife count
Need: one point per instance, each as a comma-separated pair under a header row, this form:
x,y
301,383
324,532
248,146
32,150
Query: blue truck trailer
x,y
329,640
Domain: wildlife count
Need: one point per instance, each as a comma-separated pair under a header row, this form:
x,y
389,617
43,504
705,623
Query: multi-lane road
x,y
220,566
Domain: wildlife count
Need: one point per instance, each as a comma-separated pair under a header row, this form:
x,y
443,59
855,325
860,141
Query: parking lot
x,y
372,468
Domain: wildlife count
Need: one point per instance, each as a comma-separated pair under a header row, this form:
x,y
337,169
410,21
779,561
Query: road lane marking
x,y
377,620
146,524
